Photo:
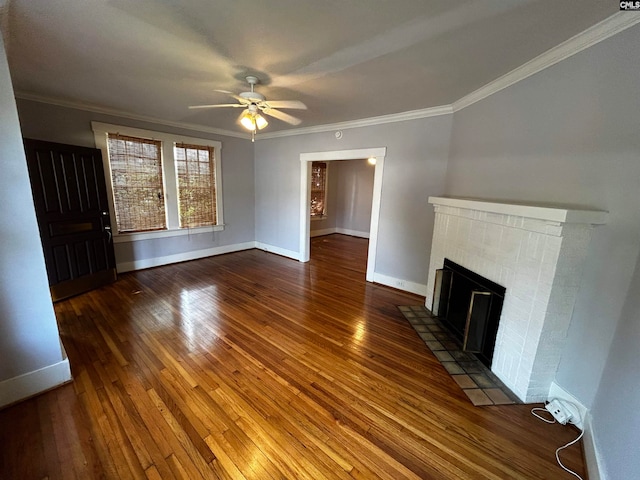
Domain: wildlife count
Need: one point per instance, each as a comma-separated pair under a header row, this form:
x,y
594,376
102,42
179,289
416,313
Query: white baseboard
x,y
182,257
400,284
321,232
278,250
353,233
343,231
556,391
29,384
591,456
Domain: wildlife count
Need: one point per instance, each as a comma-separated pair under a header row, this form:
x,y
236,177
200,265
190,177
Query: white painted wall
x,y
569,135
415,166
29,338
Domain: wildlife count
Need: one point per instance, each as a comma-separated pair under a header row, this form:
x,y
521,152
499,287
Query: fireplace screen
x,y
469,305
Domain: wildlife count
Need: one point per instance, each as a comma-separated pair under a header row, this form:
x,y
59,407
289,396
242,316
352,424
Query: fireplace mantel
x,y
535,251
551,213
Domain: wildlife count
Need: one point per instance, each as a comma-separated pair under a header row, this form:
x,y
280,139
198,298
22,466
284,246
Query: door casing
x,y
379,154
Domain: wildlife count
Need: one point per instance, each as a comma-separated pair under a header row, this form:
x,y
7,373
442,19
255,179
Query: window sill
x,y
317,219
176,232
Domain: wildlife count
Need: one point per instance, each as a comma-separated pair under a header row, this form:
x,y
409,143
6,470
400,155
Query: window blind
x,y
136,174
196,174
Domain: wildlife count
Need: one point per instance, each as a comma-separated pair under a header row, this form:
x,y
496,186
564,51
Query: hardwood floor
x,y
250,365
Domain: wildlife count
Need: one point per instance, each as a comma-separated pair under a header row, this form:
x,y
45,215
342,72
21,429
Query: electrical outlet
x,y
561,414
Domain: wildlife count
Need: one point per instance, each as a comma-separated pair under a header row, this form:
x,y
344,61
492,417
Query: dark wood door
x,y
70,197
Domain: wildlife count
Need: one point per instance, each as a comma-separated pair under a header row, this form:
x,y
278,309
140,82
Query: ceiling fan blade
x,y
285,117
219,105
242,100
237,97
286,104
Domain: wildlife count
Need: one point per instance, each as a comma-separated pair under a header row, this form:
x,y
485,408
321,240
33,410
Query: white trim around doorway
x,y
379,154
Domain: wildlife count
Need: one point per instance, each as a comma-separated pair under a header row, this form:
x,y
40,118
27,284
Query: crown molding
x,y
610,26
364,122
132,116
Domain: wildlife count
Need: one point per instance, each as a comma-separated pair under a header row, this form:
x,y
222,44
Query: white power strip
x,y
562,414
559,412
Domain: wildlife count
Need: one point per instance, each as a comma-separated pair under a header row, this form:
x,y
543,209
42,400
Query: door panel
x,y
70,196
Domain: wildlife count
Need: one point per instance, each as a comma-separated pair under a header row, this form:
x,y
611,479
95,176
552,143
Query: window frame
x,y
170,180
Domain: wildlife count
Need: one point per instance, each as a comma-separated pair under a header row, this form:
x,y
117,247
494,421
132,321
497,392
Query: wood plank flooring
x,y
254,366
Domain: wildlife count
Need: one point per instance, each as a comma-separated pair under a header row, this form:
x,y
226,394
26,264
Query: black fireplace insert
x,y
469,305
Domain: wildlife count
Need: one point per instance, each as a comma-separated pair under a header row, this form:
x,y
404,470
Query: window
x,y
160,184
136,178
318,189
196,173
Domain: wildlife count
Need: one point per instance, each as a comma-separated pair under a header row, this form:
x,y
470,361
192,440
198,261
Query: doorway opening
x,y
305,197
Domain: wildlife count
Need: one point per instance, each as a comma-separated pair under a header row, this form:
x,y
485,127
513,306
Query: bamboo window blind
x,y
136,175
196,174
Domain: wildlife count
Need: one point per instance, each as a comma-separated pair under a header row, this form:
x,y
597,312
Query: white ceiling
x,y
346,59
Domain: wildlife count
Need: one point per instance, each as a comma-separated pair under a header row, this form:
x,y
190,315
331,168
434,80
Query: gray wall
x,y
28,331
354,195
66,125
615,414
570,134
414,168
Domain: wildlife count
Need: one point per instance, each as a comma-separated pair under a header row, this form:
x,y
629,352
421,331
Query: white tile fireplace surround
x,y
537,254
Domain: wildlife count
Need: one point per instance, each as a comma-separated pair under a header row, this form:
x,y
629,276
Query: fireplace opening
x,y
469,306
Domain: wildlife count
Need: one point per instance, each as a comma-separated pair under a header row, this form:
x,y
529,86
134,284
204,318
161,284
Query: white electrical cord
x,y
538,409
565,446
563,402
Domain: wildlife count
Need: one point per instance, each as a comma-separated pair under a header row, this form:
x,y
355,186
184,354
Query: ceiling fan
x,y
255,104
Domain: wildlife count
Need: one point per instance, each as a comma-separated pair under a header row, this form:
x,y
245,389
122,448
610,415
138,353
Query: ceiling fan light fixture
x,y
261,122
248,120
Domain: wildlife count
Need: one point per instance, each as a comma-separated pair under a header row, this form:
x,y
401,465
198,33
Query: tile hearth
x,y
480,385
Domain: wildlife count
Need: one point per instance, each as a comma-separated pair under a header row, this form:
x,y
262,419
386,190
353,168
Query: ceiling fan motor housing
x,y
252,96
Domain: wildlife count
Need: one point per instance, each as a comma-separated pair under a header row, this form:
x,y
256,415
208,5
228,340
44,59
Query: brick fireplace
x,y
537,254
